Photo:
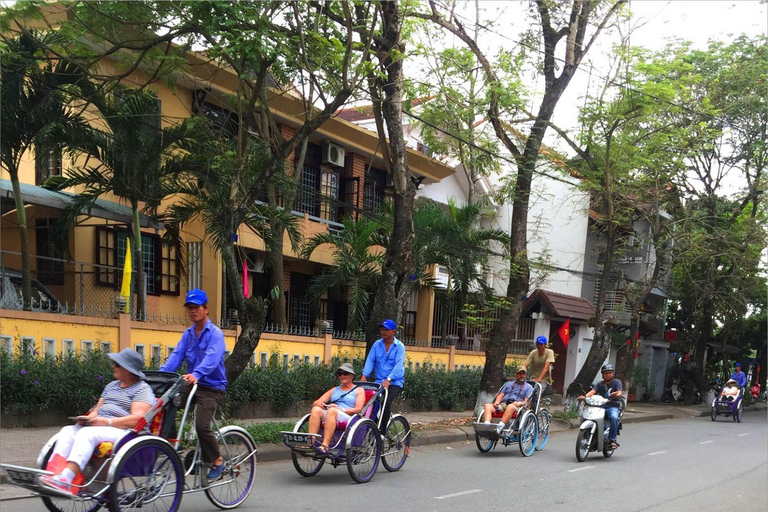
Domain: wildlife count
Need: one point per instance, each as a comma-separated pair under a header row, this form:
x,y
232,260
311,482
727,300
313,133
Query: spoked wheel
x,y
527,434
543,419
713,412
582,445
148,478
398,443
483,443
237,450
306,465
64,504
738,412
363,451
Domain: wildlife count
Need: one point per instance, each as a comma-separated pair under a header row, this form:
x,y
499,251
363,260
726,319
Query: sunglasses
x,y
340,374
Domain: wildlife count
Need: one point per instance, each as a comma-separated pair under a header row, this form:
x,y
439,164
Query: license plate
x,y
296,438
22,477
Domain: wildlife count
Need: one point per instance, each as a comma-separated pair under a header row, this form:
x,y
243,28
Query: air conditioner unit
x,y
333,154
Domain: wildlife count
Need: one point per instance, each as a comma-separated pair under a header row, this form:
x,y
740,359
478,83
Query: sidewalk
x,y
21,445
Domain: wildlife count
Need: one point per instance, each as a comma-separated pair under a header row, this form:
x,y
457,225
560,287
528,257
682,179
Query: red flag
x,y
246,292
565,332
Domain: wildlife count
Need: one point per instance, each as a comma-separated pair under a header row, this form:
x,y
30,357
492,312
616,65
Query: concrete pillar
x,y
451,357
123,331
327,348
425,314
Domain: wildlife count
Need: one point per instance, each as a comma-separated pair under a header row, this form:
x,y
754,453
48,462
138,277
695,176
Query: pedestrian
x,y
539,364
387,361
202,346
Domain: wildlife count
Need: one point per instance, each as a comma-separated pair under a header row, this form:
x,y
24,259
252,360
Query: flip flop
x,y
614,445
322,448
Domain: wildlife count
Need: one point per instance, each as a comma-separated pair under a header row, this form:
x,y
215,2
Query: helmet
x,y
606,368
542,340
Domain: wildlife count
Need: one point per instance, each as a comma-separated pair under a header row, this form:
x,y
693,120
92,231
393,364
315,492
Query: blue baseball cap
x,y
542,340
196,296
388,324
738,364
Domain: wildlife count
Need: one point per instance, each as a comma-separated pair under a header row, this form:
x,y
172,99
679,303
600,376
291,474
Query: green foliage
x,y
431,389
267,432
32,383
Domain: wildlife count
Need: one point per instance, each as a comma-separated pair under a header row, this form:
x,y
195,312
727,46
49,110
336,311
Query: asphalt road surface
x,y
677,465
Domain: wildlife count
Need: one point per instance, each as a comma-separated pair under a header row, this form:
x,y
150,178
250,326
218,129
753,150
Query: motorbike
x,y
594,430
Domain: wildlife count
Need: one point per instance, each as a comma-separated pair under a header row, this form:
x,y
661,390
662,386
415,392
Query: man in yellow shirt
x,y
539,363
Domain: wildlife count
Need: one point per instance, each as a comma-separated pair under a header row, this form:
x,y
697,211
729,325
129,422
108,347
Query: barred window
x,y
169,269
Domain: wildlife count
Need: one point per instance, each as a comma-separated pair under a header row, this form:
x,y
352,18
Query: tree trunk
x,y
276,279
21,216
398,262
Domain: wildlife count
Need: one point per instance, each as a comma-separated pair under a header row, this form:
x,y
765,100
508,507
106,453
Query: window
x,y
307,197
169,351
7,344
374,189
220,120
86,347
47,163
105,347
156,356
263,359
296,361
106,256
49,346
227,353
195,265
307,360
139,348
329,193
286,359
169,271
417,366
68,346
317,361
410,365
148,252
28,345
50,264
455,367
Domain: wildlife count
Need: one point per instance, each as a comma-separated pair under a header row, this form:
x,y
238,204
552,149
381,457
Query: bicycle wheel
x,y
397,444
582,445
149,477
527,434
543,419
237,450
306,465
64,504
738,412
483,443
713,412
363,451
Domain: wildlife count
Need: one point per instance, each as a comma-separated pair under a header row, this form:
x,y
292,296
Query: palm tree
x,y
356,266
132,159
34,94
462,247
218,190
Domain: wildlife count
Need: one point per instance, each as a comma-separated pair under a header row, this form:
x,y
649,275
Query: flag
x,y
565,332
246,292
125,291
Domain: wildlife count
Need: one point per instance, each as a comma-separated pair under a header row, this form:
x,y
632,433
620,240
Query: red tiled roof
x,y
362,112
558,304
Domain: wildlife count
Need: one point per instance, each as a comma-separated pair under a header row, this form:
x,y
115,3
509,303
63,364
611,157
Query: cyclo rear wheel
x,y
544,420
235,485
398,442
306,465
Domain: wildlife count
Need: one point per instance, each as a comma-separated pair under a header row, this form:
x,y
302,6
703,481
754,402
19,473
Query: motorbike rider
x,y
611,389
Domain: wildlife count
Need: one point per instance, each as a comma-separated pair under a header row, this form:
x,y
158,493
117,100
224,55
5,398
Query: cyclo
x,y
150,472
358,443
530,428
734,408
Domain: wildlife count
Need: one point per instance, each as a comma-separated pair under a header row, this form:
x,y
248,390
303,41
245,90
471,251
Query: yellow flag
x,y
125,291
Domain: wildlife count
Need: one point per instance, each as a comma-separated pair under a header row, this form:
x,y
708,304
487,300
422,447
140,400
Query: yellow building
x,y
78,305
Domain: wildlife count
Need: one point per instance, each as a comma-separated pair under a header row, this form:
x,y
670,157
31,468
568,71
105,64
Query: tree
x,y
356,268
35,90
133,158
504,105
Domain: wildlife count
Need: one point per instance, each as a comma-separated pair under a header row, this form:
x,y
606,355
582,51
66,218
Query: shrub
x,y
431,389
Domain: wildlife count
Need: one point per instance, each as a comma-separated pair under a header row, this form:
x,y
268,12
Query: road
x,y
680,465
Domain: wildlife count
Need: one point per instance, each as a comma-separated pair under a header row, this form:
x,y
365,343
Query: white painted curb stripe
x,y
706,442
580,469
658,453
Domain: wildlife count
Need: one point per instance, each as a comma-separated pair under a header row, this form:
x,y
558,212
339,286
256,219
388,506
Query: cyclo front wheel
x,y
65,504
397,444
363,451
237,449
527,434
149,477
306,465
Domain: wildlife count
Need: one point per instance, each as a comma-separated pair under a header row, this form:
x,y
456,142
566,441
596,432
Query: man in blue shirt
x,y
513,396
202,346
387,360
611,389
739,376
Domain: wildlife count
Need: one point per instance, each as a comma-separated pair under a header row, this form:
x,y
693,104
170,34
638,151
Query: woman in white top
x,y
730,391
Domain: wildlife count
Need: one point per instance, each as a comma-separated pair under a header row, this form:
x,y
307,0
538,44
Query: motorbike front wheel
x,y
582,444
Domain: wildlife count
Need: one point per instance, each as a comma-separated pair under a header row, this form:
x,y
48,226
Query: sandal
x,y
321,448
614,445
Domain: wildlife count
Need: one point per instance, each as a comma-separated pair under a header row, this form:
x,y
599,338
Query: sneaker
x,y
57,482
499,427
216,472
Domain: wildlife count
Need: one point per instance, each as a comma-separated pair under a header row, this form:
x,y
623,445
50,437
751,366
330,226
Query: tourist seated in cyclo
x,y
336,405
730,391
514,395
123,403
